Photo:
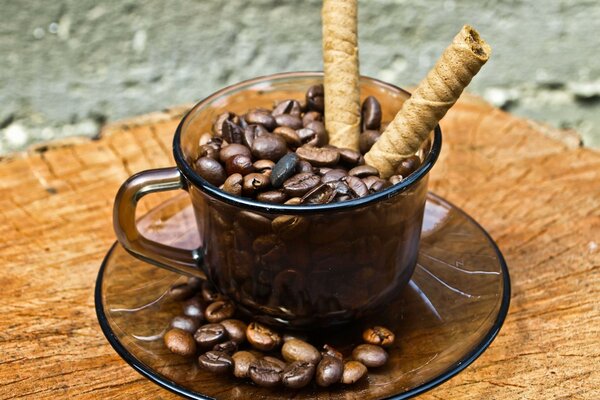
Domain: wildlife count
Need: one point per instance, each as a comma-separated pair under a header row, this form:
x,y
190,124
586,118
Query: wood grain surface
x,y
538,196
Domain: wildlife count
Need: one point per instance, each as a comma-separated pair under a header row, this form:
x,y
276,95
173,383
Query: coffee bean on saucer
x,y
379,335
236,329
315,98
271,147
228,347
181,291
319,156
194,308
299,350
297,375
211,170
215,361
262,337
290,136
265,373
290,121
239,164
210,334
253,183
283,169
261,117
180,342
241,363
370,114
185,323
329,371
408,166
367,139
291,107
362,171
209,293
370,355
353,372
299,184
219,310
233,184
311,116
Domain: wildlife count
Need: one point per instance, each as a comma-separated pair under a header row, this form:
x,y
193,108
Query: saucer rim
x,y
457,367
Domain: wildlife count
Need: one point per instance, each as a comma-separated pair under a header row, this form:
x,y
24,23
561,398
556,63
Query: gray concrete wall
x,y
67,66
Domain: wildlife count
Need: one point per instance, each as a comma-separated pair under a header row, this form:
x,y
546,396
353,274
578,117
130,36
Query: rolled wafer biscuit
x,y
419,115
340,64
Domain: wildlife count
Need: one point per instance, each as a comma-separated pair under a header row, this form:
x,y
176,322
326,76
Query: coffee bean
x,y
334,175
342,189
331,351
217,127
251,132
215,361
272,196
367,139
239,164
320,137
370,355
233,150
322,194
293,336
370,114
233,184
231,132
395,179
254,222
329,371
311,116
181,291
375,183
357,186
219,310
362,171
241,363
284,168
180,342
210,334
194,308
315,98
236,330
228,347
262,337
300,184
185,323
290,136
297,375
379,335
318,156
210,151
253,183
264,373
408,166
271,147
306,135
304,166
289,121
322,171
291,107
274,360
353,372
264,167
211,170
294,201
209,293
350,158
299,350
290,226
261,117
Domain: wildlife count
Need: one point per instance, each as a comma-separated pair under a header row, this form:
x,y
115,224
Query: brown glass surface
x,y
446,316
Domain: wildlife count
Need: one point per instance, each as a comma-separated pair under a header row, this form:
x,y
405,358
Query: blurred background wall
x,y
68,66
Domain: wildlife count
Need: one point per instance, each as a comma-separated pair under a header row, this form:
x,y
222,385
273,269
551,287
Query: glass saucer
x,y
444,319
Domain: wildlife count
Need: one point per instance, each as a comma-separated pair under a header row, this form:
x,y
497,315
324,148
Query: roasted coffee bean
x,y
271,147
362,171
290,136
289,336
253,183
322,194
181,291
272,196
304,166
209,293
343,197
284,169
290,226
294,201
367,139
311,116
300,184
320,137
262,337
306,135
334,175
205,138
357,186
318,156
375,183
315,98
342,189
210,334
370,355
299,350
394,179
254,222
291,107
331,351
228,347
408,166
251,132
353,372
193,308
290,121
370,114
264,373
378,335
185,323
236,330
217,127
231,132
215,361
264,167
233,184
233,150
322,171
209,150
239,164
241,363
195,282
261,117
211,170
180,342
329,371
297,375
350,158
274,360
219,310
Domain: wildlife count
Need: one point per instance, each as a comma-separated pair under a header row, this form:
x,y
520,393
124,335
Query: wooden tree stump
x,y
538,197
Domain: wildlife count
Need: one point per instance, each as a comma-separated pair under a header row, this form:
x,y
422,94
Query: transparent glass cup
x,y
298,266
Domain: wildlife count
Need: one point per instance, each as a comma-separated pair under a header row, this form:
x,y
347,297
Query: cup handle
x,y
187,262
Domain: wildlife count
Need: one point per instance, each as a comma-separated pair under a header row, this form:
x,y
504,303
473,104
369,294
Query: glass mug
x,y
290,265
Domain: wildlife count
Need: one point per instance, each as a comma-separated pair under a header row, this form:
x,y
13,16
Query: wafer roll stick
x,y
340,64
419,115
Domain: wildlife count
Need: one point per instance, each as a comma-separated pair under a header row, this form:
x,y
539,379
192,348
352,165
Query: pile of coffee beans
x,y
208,330
283,156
